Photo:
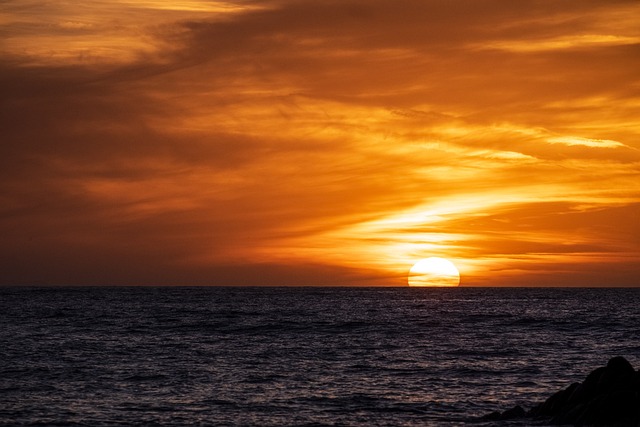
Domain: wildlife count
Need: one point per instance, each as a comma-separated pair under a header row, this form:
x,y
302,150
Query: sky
x,y
319,142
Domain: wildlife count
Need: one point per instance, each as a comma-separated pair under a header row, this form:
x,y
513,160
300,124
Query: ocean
x,y
314,356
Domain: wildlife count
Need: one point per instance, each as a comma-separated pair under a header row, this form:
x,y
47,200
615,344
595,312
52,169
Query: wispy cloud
x,y
586,142
564,43
353,137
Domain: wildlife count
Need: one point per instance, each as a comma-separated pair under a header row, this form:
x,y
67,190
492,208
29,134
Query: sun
x,y
434,271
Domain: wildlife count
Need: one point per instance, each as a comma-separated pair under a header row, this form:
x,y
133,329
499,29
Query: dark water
x,y
299,356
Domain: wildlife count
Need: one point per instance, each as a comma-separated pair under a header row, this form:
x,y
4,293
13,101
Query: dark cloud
x,y
440,50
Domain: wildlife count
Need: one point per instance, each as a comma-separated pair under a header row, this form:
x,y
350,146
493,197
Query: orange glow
x,y
327,143
434,271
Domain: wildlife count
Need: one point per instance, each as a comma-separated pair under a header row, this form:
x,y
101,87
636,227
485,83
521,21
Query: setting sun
x,y
434,271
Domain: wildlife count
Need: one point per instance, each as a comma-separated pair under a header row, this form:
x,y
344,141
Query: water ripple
x,y
299,356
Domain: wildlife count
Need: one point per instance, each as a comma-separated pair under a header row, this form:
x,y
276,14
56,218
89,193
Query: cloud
x,y
568,42
586,142
283,133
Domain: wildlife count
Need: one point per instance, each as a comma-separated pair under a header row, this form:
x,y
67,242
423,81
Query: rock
x,y
589,387
492,416
571,416
555,404
609,396
620,366
616,408
619,375
513,413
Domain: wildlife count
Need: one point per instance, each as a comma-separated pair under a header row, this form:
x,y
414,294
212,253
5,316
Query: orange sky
x,y
313,142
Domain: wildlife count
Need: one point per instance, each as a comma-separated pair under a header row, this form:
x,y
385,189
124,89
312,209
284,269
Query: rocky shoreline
x,y
609,396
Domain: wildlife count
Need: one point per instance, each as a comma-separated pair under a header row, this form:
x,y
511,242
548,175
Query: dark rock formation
x,y
609,396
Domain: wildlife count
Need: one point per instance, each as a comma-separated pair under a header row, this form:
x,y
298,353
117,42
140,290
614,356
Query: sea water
x,y
299,356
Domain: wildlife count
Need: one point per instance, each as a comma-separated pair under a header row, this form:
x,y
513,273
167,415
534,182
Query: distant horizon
x,y
323,286
320,142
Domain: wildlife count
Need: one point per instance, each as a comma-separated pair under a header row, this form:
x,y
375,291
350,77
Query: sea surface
x,y
300,356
